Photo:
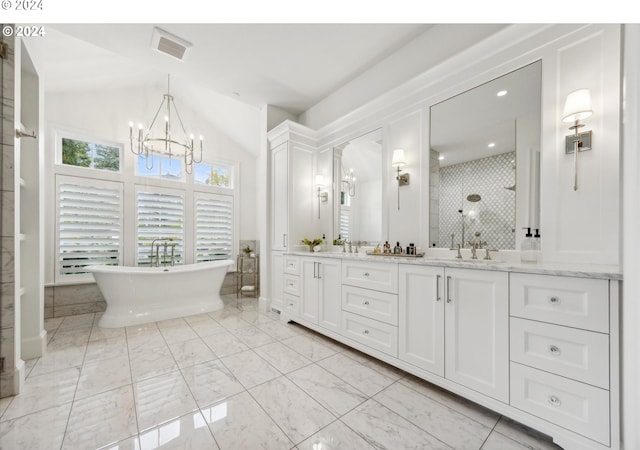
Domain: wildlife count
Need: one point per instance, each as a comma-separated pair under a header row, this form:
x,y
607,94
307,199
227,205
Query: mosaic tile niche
x,y
494,216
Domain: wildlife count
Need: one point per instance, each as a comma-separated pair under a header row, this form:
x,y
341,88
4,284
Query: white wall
x,y
414,58
106,115
579,227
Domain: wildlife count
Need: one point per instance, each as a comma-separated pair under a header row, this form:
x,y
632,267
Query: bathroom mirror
x,y
358,188
485,162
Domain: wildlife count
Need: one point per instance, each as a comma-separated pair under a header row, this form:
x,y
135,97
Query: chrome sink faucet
x,y
459,255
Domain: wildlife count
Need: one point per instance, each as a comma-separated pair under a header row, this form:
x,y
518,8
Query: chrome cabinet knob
x,y
366,274
554,350
554,300
366,331
554,401
366,302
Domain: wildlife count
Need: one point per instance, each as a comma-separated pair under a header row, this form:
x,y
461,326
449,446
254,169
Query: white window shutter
x,y
160,216
89,225
213,227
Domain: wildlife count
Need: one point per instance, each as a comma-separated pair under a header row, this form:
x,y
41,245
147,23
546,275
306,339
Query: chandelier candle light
x,y
164,143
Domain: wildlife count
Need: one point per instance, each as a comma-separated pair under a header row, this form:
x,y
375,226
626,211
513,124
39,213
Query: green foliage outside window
x,y
85,154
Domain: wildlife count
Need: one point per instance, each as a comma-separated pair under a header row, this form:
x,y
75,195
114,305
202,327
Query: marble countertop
x,y
602,271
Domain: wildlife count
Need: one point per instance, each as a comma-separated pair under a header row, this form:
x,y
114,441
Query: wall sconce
x,y
576,108
398,161
322,196
350,181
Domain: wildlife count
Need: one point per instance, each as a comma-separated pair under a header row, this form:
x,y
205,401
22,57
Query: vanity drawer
x,y
291,304
377,335
368,275
292,265
377,305
570,352
579,407
292,284
575,302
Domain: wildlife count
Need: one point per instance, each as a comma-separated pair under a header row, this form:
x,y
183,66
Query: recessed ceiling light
x,y
501,93
491,144
440,158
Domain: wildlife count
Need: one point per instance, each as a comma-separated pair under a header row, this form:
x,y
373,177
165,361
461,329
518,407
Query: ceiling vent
x,y
170,44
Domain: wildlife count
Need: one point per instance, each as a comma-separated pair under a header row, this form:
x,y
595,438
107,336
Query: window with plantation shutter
x,y
89,225
160,215
214,227
345,215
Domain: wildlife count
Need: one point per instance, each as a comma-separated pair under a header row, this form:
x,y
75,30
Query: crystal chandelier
x,y
165,142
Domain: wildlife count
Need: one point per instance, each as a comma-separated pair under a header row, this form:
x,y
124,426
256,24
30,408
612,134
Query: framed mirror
x,y
358,178
485,162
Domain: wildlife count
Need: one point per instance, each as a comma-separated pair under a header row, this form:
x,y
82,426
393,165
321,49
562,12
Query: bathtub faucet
x,y
166,244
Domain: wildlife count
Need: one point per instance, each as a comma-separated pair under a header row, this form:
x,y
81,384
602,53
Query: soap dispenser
x,y
537,245
527,250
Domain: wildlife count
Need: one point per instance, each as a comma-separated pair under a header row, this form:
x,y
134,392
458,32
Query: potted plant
x,y
312,244
247,250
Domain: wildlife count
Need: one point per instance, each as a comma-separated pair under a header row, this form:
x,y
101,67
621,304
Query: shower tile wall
x,y
495,218
8,377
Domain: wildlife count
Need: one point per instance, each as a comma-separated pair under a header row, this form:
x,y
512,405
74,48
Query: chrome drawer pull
x,y
366,302
448,289
554,300
438,298
555,401
366,274
366,331
554,350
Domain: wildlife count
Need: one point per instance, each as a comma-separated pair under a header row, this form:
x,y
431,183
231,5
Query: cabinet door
x,y
277,280
329,271
477,330
279,197
309,298
421,317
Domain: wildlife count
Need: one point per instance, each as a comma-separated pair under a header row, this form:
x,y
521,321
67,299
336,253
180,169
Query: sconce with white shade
x,y
323,196
577,107
398,161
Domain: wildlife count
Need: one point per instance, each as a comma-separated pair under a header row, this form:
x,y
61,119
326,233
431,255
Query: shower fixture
x,y
473,198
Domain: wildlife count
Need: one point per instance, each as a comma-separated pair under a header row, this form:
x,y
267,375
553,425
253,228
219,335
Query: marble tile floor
x,y
234,379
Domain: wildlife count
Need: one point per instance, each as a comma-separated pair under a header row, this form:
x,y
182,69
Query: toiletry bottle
x,y
387,247
537,245
397,249
527,253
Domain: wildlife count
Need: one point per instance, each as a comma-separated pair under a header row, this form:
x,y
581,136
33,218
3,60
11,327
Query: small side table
x,y
248,276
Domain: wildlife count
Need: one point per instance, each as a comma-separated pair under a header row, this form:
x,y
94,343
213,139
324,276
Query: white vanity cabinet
x,y
453,323
320,291
541,349
421,317
563,336
370,304
290,287
476,330
280,196
290,197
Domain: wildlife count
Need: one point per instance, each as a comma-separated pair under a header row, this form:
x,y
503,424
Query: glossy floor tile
x,y
234,379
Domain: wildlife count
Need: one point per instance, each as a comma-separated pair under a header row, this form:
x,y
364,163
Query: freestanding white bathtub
x,y
137,295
